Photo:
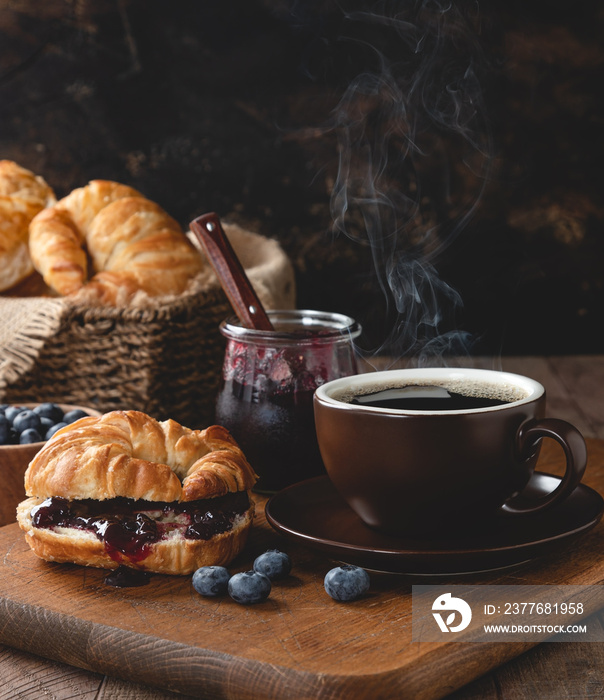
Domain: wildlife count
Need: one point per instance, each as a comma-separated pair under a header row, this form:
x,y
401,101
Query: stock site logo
x,y
445,603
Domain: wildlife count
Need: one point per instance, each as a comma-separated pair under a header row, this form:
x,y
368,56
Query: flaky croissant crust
x,y
132,455
21,184
22,195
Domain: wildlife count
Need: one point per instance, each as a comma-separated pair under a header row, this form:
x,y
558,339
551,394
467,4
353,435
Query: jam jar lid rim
x,y
232,328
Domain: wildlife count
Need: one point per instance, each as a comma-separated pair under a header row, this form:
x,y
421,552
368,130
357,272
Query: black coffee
x,y
430,398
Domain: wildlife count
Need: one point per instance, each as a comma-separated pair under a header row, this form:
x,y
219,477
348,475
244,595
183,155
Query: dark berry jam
x,y
129,528
276,431
268,382
125,577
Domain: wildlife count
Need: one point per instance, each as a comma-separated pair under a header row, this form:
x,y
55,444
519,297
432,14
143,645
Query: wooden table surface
x,y
575,389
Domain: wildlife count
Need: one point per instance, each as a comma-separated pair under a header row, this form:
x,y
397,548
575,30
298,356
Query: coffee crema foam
x,y
506,393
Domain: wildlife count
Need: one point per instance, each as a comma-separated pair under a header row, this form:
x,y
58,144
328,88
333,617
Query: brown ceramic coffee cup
x,y
417,450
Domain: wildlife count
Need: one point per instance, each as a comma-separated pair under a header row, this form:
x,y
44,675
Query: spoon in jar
x,y
229,270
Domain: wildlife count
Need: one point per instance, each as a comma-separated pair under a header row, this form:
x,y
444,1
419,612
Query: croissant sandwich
x,y
22,196
132,244
125,489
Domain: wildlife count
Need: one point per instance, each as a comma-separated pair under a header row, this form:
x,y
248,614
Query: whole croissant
x,y
125,489
132,242
22,195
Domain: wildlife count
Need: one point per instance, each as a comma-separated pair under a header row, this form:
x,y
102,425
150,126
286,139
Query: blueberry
x,y
211,581
29,436
45,424
346,582
76,414
249,587
4,430
50,410
12,412
26,420
51,431
273,564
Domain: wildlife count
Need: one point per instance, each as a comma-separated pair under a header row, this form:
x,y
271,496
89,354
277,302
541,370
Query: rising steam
x,y
414,156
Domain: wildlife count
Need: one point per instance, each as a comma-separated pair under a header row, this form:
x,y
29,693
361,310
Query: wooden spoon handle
x,y
230,272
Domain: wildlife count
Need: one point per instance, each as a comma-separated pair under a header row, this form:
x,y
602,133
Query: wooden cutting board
x,y
299,643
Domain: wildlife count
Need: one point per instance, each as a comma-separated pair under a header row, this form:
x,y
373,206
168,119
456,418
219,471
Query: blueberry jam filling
x,y
129,528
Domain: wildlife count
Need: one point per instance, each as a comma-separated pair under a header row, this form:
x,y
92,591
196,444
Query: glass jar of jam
x,y
268,382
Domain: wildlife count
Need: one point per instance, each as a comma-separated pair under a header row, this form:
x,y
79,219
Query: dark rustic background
x,y
232,107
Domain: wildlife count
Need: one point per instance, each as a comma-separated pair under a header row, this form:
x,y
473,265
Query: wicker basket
x,y
163,357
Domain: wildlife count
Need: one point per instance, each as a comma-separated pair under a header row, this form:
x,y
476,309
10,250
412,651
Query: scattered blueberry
x,y
346,582
249,587
273,564
29,436
76,414
51,411
51,431
26,420
211,581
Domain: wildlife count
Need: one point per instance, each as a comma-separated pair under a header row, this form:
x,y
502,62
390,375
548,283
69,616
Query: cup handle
x,y
575,450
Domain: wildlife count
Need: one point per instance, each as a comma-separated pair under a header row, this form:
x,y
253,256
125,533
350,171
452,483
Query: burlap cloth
x,y
162,356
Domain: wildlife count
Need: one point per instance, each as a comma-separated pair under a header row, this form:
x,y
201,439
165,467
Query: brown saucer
x,y
312,513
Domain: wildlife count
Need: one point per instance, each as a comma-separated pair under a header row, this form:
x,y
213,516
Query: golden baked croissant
x,y
132,242
22,196
130,454
187,489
